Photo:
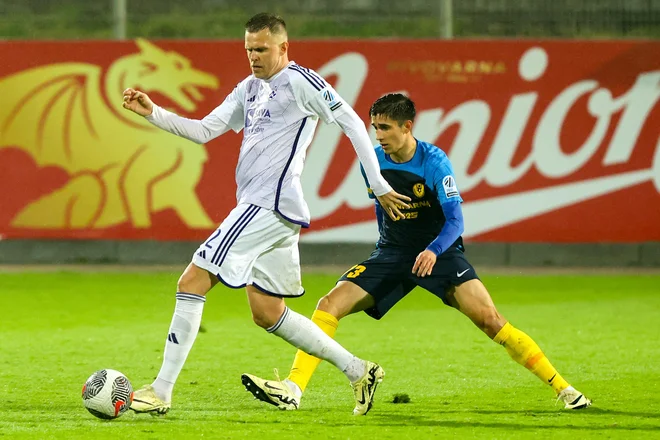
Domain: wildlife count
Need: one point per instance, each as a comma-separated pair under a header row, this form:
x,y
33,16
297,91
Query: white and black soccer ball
x,y
107,394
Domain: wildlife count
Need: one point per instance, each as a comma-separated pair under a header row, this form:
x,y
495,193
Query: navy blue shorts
x,y
387,276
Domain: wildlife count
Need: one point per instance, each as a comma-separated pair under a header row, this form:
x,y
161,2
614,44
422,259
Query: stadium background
x,y
614,40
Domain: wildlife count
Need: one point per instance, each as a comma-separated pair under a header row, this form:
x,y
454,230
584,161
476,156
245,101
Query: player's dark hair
x,y
263,20
395,106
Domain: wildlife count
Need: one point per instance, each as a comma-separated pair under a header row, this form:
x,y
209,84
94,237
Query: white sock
x,y
295,389
355,369
302,333
180,339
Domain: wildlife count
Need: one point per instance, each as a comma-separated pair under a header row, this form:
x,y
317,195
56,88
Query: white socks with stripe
x,y
183,331
307,336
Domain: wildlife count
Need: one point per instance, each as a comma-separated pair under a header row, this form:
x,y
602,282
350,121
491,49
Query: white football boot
x,y
274,392
573,399
365,388
145,400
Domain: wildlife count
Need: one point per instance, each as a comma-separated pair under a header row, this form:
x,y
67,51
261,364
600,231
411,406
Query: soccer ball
x,y
107,394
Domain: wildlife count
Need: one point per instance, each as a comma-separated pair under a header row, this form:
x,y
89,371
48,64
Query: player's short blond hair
x,y
264,20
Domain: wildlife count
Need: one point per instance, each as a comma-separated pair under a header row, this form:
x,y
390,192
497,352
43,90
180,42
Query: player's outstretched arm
x,y
327,104
199,131
390,200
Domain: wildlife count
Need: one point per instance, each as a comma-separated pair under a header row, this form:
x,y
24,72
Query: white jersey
x,y
278,117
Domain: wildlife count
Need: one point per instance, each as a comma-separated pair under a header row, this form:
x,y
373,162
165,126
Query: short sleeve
x,y
444,181
315,96
232,109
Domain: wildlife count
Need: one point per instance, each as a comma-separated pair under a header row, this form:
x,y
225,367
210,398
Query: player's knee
x,y
187,283
192,285
325,304
194,281
491,322
329,304
263,320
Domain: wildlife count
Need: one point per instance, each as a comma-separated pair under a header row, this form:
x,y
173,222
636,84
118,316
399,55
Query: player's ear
x,y
407,126
284,47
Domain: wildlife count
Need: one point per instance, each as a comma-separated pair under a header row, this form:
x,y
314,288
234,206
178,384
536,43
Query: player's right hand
x,y
138,102
392,202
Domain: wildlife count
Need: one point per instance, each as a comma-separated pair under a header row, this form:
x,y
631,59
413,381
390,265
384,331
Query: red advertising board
x,y
551,141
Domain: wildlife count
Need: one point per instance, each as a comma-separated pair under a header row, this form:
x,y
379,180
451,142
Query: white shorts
x,y
254,246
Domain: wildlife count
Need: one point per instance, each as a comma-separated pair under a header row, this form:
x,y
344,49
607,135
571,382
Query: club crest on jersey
x,y
418,190
449,185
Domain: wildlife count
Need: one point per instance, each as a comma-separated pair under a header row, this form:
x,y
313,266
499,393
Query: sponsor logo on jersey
x,y
254,115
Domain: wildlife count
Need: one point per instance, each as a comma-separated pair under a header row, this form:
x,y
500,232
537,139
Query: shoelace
x,y
277,376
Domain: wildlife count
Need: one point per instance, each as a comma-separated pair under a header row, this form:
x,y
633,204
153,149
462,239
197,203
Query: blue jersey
x,y
428,179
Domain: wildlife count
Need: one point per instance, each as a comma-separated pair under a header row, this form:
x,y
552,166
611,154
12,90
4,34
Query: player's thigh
x,y
473,300
276,271
451,269
383,277
346,298
247,234
228,253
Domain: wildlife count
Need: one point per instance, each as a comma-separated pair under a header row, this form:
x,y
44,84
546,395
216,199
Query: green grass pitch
x,y
602,332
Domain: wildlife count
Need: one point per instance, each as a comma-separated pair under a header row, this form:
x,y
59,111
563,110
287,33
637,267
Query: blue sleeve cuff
x,y
451,230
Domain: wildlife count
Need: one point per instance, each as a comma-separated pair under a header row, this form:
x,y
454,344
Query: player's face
x,y
266,52
390,134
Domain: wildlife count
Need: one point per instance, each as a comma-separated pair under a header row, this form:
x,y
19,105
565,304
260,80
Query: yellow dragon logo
x,y
121,168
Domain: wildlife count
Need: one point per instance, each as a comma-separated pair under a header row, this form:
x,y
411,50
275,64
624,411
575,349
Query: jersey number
x,y
355,271
208,242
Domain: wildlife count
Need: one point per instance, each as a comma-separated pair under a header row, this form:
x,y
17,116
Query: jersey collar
x,y
412,159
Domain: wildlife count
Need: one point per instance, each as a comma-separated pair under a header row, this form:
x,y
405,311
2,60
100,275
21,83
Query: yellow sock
x,y
524,350
304,365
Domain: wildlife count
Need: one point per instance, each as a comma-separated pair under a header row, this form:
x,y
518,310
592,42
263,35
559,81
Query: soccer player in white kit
x,y
256,246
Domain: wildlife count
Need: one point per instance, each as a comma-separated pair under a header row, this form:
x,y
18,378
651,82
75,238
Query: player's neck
x,y
406,152
279,68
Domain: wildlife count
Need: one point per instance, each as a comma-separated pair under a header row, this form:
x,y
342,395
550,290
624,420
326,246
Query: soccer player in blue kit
x,y
424,248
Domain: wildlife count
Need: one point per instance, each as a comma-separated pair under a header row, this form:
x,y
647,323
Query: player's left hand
x,y
391,202
424,263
